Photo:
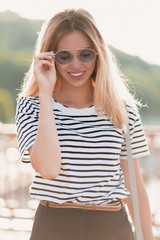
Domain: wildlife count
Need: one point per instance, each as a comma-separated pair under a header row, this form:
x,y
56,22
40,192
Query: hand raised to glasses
x,y
44,71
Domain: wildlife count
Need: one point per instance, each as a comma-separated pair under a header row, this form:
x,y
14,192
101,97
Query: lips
x,y
77,74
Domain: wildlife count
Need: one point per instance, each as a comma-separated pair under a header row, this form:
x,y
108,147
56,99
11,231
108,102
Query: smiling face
x,y
75,73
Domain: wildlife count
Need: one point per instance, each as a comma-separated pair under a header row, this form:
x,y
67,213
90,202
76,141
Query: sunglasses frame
x,y
72,54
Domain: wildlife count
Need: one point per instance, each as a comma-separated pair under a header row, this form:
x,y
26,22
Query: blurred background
x,y
131,28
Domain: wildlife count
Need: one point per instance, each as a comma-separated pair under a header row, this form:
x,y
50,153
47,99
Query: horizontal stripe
x,y
91,149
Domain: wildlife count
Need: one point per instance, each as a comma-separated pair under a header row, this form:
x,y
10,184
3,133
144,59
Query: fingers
x,y
44,63
45,58
45,55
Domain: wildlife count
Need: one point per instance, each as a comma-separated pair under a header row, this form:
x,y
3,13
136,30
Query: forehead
x,y
74,40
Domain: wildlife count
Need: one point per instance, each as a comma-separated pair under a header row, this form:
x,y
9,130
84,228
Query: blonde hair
x,y
110,90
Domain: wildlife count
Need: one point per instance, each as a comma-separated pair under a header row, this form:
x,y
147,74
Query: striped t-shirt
x,y
91,149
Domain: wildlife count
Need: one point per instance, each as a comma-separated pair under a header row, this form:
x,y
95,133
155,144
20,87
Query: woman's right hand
x,y
45,72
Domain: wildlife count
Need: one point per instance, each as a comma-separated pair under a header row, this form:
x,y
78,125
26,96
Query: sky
x,y
132,26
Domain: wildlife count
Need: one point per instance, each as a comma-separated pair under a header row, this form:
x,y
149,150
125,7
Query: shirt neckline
x,y
66,109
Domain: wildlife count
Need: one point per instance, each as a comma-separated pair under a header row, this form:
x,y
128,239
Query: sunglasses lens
x,y
63,57
87,55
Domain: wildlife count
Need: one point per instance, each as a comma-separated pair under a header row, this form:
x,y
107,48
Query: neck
x,y
76,97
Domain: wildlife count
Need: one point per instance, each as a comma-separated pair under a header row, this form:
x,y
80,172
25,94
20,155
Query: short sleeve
x,y
27,115
138,140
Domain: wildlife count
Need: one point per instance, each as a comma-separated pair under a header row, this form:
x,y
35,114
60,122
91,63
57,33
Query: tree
x,y
7,106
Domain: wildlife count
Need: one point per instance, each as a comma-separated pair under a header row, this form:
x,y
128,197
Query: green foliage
x,y
17,41
145,78
7,106
18,37
16,32
11,74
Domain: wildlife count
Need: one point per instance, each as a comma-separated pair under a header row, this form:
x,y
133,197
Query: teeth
x,y
76,74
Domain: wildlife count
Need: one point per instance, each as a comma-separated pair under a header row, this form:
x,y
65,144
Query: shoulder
x,y
30,100
133,113
28,105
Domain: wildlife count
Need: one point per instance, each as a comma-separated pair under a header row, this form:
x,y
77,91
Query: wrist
x,y
45,95
46,105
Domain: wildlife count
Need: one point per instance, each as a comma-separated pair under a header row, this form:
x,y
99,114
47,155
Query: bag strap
x,y
138,231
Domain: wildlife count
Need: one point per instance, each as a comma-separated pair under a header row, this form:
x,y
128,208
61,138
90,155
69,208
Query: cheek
x,y
92,67
60,69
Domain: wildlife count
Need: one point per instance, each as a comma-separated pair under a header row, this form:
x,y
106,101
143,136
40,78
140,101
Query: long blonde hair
x,y
110,91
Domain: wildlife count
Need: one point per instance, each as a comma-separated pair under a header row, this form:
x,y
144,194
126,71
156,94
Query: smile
x,y
76,74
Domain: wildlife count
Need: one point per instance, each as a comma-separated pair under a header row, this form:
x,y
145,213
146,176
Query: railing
x,y
17,209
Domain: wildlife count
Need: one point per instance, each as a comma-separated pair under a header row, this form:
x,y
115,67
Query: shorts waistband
x,y
107,207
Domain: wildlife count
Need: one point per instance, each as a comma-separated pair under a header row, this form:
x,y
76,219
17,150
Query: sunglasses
x,y
85,55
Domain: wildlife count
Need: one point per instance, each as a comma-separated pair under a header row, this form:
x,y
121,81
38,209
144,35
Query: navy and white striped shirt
x,y
91,149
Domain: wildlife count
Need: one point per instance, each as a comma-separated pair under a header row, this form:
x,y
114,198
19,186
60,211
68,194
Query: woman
x,y
71,118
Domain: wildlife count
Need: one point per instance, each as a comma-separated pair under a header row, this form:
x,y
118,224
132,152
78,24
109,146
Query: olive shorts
x,y
80,224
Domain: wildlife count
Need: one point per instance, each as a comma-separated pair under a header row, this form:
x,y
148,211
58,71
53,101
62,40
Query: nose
x,y
75,63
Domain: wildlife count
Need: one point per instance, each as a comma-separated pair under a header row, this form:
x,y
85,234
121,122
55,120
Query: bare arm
x,y
145,215
45,154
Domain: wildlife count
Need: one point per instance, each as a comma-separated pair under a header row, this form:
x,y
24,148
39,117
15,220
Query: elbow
x,y
49,173
49,169
49,176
